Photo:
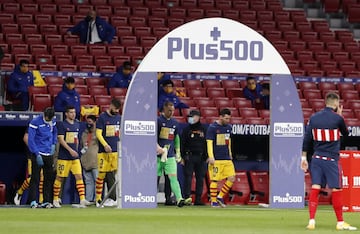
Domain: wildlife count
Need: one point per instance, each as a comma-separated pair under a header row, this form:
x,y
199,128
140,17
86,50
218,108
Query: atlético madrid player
x,y
323,132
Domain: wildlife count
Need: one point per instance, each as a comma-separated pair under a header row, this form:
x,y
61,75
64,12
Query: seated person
x,y
93,30
68,97
266,95
166,93
162,77
122,78
20,80
253,92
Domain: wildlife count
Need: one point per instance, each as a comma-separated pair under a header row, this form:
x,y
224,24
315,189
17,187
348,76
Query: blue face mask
x,y
191,120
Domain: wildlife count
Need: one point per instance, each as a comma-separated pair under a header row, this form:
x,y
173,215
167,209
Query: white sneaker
x,y
345,226
110,202
17,199
98,204
84,202
56,203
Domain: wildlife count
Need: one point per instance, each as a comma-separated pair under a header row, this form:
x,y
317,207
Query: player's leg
x,y
24,185
228,172
316,181
41,187
171,171
80,187
213,170
333,176
103,168
62,171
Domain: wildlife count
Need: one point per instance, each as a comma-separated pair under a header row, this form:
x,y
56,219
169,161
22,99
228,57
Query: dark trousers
x,y
110,181
48,171
196,164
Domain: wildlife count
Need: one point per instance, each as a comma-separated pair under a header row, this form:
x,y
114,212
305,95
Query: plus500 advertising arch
x,y
212,45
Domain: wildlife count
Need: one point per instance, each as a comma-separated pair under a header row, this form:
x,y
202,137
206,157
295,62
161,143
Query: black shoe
x,y
199,203
181,202
170,203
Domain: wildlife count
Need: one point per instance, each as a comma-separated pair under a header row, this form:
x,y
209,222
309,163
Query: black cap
x,y
194,112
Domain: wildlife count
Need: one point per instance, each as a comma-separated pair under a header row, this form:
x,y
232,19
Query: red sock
x,y
313,202
336,199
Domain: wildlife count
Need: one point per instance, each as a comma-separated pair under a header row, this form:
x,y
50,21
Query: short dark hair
x,y
116,103
168,103
225,111
69,80
92,117
332,96
23,61
67,108
49,112
126,65
167,82
250,78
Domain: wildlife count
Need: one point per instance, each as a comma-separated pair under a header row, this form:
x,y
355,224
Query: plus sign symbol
x,y
215,33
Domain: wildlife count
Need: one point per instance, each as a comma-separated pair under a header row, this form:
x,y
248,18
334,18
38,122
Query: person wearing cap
x,y
194,153
122,78
42,139
166,93
68,97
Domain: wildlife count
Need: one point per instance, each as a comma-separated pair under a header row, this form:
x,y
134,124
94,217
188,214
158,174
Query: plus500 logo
x,y
223,50
287,199
139,198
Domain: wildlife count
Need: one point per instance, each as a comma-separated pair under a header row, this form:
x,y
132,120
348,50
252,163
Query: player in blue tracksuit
x,y
20,80
68,97
323,131
122,78
42,140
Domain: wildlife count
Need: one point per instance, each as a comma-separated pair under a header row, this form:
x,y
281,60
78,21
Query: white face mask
x,y
191,120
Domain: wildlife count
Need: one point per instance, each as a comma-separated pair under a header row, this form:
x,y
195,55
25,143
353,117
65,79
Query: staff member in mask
x,y
193,147
89,149
93,30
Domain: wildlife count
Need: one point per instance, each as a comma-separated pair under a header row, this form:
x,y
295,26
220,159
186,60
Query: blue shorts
x,y
326,172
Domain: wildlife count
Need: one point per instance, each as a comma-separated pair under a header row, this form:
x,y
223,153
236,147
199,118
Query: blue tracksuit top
x,y
324,130
65,98
119,80
42,135
19,81
105,30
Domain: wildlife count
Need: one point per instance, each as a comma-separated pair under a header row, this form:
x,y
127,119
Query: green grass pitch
x,y
172,220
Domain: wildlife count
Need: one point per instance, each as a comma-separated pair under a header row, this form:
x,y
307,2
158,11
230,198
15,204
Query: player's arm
x,y
100,137
306,147
230,152
177,148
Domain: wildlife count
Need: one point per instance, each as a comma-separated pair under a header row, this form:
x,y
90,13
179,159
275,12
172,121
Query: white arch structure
x,y
211,45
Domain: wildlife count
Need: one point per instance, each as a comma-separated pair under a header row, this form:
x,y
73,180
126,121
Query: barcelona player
x,y
169,141
68,158
323,132
108,133
220,158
